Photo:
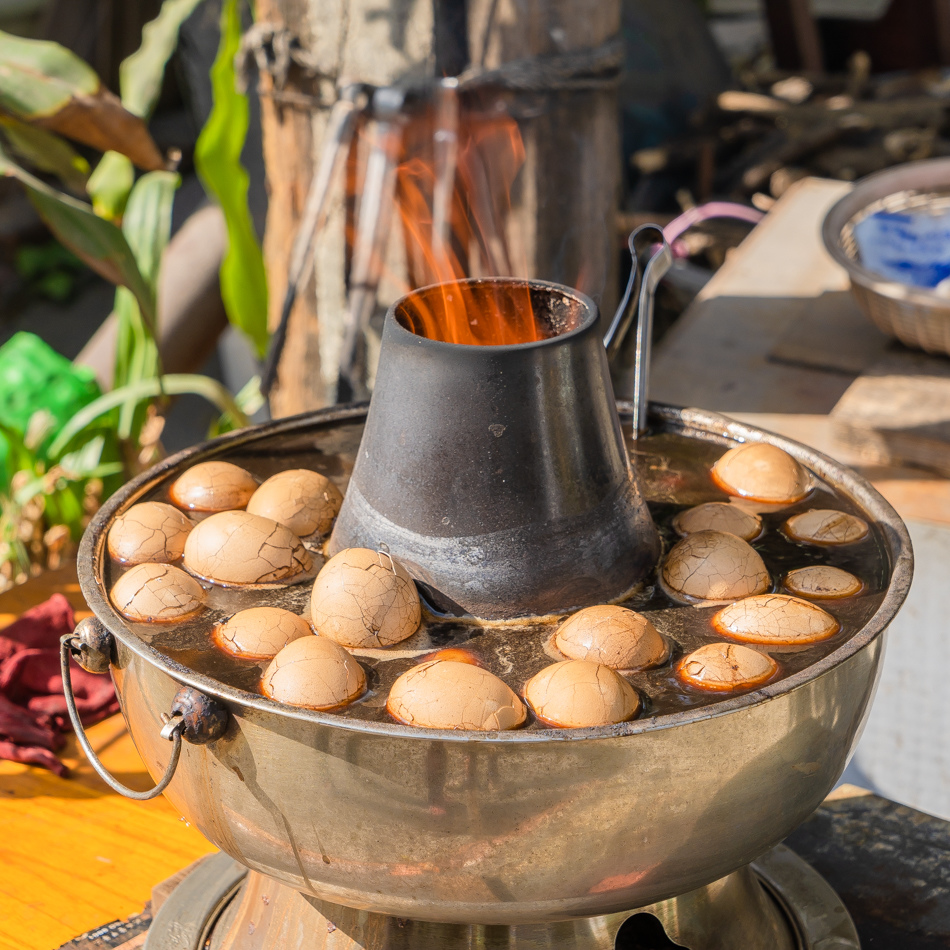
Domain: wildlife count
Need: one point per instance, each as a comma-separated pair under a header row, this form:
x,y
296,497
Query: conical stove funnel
x,y
498,474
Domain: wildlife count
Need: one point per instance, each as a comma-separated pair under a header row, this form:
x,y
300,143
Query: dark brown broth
x,y
674,474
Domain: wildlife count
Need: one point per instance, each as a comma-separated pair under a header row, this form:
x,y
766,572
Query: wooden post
x,y
562,222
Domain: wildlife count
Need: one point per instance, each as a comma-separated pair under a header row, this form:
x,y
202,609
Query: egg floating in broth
x,y
718,516
446,694
304,501
826,526
822,582
213,486
314,672
775,619
149,531
614,636
577,694
157,593
725,667
260,632
762,472
363,598
713,566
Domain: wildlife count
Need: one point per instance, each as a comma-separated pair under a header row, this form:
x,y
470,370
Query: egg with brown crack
x,y
446,694
775,619
724,667
260,632
234,547
314,672
575,694
157,593
149,531
718,516
614,636
304,501
213,486
762,472
364,598
826,526
713,566
822,582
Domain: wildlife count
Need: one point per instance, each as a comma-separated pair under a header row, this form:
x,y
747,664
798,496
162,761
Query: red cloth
x,y
33,713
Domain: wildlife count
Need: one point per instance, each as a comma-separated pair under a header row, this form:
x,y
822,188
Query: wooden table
x,y
73,853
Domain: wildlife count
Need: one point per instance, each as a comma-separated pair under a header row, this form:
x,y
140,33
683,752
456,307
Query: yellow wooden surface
x,y
73,854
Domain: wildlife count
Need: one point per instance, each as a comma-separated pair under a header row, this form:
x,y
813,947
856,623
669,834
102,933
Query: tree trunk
x,y
561,225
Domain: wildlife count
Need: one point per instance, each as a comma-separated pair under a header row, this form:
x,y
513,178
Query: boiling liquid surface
x,y
674,475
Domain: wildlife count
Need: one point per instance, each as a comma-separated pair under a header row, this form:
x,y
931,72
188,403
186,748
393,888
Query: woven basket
x,y
916,316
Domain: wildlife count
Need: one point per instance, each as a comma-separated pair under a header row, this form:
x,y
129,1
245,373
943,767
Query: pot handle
x,y
647,245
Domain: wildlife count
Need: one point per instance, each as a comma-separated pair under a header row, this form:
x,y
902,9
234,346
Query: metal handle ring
x,y
171,731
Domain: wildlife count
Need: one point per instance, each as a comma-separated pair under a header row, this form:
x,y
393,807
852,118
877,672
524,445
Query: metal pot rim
x,y
696,423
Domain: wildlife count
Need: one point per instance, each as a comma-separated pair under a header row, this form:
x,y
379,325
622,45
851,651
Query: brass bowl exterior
x,y
514,827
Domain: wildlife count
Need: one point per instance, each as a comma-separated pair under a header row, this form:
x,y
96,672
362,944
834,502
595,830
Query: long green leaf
x,y
140,75
45,151
46,84
218,161
175,384
97,242
109,185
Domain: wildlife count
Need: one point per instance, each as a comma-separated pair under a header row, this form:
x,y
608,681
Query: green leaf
x,y
45,151
140,75
97,242
218,161
109,185
45,84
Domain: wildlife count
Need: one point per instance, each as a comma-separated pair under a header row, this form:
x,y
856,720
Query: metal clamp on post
x,y
69,646
650,256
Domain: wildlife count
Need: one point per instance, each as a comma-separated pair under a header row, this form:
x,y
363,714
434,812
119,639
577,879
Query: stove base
x,y
779,902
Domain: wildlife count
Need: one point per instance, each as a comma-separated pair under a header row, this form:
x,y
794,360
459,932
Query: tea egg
x,y
157,593
446,694
614,636
722,667
364,598
260,632
826,526
718,516
777,619
761,472
149,531
314,672
713,566
233,547
575,694
213,486
304,501
822,582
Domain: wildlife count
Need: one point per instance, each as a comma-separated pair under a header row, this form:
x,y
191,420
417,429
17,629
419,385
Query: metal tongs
x,y
651,258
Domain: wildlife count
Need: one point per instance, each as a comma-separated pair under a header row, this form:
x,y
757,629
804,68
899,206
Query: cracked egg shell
x,y
314,672
822,582
304,501
614,636
713,566
826,526
762,472
724,667
213,486
576,694
150,531
260,632
233,547
775,619
362,598
157,593
718,516
446,694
